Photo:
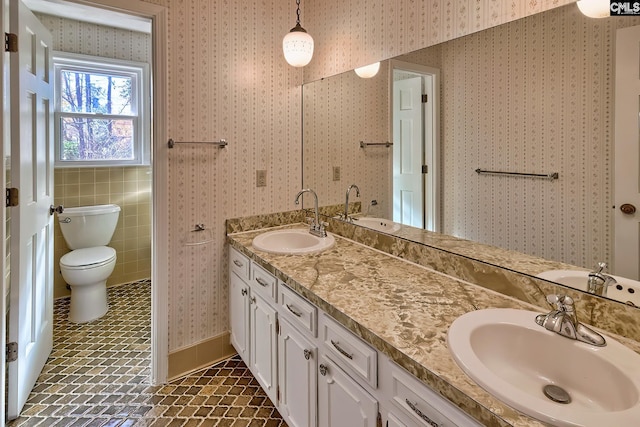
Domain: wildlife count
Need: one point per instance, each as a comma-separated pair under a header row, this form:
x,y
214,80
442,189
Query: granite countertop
x,y
402,309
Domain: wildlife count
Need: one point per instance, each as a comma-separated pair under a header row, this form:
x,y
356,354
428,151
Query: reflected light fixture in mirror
x,y
368,71
297,45
594,8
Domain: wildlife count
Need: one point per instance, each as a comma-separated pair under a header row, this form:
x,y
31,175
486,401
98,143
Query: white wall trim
x,y
6,120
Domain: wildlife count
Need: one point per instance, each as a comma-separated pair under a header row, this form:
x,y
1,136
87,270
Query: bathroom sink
x,y
626,290
510,356
378,224
292,242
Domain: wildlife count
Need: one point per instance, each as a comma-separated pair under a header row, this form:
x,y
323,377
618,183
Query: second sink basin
x,y
292,242
510,356
378,224
626,290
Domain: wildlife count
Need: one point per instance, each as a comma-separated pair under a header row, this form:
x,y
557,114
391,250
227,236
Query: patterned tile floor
x,y
97,375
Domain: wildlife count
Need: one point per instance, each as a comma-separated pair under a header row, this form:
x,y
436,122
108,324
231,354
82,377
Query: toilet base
x,y
88,302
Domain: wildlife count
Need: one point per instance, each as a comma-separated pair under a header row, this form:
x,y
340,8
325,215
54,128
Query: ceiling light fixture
x,y
297,45
595,8
368,71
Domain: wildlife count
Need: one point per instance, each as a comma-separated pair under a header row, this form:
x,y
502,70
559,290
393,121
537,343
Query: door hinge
x,y
278,393
425,169
12,197
11,352
425,98
277,326
10,42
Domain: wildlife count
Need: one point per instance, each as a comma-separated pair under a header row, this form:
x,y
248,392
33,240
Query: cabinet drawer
x,y
239,263
300,311
348,351
423,405
263,282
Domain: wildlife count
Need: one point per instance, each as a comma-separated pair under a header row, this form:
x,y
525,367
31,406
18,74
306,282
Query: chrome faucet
x,y
563,321
346,202
316,227
598,281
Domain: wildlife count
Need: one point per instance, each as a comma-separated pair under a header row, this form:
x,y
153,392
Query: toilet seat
x,y
82,259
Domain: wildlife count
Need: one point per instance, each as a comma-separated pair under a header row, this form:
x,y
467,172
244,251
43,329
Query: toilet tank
x,y
88,226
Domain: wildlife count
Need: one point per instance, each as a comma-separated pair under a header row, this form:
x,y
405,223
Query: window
x,y
102,111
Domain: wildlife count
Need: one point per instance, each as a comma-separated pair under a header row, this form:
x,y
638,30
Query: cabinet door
x,y
341,400
297,377
264,345
394,421
239,316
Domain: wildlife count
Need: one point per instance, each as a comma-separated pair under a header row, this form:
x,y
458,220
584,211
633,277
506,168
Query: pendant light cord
x,y
298,12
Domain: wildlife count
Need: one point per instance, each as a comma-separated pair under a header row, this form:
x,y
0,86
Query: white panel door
x,y
264,345
627,153
239,316
408,129
342,401
297,377
31,304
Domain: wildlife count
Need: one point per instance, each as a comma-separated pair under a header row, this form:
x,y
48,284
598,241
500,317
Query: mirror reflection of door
x,y
627,153
415,126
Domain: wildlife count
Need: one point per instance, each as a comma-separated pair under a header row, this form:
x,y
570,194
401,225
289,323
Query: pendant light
x,y
297,45
594,8
368,71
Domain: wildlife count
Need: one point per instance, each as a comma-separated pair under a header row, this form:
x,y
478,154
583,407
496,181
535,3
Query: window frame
x,y
140,105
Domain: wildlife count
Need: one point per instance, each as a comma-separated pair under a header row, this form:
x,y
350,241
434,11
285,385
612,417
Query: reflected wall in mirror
x,y
534,95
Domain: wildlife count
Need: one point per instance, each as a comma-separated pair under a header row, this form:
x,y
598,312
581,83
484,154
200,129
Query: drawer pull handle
x,y
341,350
261,281
323,369
243,292
307,354
238,263
421,414
294,311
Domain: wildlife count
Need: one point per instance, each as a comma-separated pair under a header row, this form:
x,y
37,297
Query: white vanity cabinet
x,y
297,376
341,400
348,378
297,359
316,371
407,402
239,303
264,345
253,319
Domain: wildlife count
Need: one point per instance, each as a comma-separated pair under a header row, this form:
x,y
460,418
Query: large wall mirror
x,y
530,96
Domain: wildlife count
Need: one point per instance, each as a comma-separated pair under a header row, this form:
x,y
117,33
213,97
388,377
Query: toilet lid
x,y
88,256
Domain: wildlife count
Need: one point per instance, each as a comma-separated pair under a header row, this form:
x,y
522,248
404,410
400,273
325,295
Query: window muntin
x,y
101,112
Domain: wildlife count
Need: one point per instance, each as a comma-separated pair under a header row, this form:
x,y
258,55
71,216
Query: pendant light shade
x,y
297,45
368,71
595,8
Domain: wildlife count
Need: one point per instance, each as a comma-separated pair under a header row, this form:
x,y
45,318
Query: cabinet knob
x,y
243,292
307,354
628,209
323,369
252,300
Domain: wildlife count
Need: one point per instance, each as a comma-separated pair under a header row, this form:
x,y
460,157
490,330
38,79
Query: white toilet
x,y
87,231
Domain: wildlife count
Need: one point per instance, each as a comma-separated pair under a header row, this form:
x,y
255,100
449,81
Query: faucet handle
x,y
561,302
601,267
